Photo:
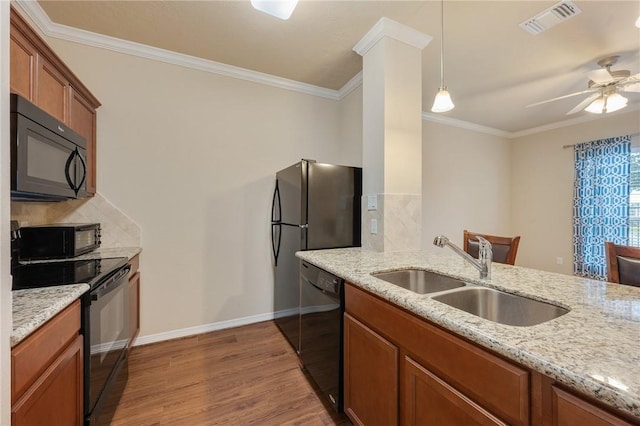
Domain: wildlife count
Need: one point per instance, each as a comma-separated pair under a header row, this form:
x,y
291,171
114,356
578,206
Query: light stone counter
x,y
594,349
33,307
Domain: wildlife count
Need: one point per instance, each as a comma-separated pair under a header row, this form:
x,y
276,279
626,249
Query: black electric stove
x,y
47,274
104,324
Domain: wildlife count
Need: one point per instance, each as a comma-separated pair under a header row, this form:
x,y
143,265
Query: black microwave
x,y
58,241
48,159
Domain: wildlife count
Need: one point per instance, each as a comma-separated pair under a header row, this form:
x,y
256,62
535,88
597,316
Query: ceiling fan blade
x,y
630,84
601,76
582,105
565,96
633,87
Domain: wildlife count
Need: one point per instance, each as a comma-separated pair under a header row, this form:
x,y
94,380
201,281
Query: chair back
x,y
623,264
504,248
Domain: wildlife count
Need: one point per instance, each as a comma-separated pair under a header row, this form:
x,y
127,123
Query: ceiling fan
x,y
604,85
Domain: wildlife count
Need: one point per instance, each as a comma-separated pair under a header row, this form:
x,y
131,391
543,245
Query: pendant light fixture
x,y
279,8
442,102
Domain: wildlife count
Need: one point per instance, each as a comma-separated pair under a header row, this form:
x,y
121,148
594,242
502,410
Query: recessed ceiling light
x,y
279,8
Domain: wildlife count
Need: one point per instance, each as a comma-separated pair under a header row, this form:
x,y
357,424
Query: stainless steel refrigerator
x,y
315,206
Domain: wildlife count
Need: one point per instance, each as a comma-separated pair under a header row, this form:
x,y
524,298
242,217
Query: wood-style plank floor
x,y
241,376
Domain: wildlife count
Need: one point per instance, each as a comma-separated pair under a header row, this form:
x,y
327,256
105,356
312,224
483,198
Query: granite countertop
x,y
33,307
594,349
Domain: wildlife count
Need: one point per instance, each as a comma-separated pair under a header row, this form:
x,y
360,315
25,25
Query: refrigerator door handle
x,y
276,246
276,196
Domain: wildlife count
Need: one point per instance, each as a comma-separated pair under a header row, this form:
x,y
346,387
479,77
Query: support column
x,y
392,136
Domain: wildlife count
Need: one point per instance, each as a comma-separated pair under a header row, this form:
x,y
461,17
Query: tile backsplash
x,y
118,229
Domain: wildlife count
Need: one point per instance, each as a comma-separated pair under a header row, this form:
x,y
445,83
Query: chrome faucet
x,y
485,254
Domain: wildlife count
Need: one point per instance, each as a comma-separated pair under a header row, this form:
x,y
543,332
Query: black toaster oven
x,y
58,241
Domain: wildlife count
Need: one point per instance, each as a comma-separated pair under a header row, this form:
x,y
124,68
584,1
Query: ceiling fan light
x,y
615,102
597,106
442,101
279,8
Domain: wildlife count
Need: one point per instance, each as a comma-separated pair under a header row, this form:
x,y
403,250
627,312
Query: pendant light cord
x,y
442,45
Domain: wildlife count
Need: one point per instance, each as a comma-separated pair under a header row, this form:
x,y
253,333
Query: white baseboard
x,y
190,331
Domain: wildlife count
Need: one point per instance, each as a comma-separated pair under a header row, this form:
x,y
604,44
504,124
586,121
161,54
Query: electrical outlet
x,y
559,260
374,226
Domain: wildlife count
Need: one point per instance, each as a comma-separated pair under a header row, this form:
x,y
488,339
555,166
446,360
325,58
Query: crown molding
x,y
386,27
41,20
31,10
438,118
573,121
350,86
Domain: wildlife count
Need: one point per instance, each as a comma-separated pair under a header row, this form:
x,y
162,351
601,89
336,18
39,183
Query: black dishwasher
x,y
321,318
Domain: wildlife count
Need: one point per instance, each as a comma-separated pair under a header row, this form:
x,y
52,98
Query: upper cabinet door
x,y
53,90
82,119
22,60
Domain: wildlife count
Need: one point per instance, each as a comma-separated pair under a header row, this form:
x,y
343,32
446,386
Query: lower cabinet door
x,y
427,400
370,376
55,399
569,410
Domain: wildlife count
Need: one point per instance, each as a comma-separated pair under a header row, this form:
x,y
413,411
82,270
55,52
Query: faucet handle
x,y
484,244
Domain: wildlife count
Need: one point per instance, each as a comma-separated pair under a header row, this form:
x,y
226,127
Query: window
x,y
602,202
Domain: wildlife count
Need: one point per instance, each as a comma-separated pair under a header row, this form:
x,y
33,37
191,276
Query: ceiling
x,y
493,68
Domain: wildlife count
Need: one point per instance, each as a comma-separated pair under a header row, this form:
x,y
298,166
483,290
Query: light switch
x,y
372,202
374,226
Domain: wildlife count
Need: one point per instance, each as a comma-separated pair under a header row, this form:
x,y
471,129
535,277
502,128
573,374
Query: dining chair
x,y
504,248
623,264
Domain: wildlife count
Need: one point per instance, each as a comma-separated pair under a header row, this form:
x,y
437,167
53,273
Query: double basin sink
x,y
488,303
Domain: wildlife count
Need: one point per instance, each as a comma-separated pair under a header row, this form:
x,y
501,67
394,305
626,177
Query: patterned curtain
x,y
600,202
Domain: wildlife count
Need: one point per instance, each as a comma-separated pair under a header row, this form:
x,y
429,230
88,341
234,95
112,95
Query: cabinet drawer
x,y
494,383
31,357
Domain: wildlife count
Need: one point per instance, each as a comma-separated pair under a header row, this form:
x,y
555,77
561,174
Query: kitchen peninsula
x,y
592,351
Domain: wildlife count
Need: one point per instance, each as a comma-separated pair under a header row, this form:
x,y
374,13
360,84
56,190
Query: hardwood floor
x,y
242,376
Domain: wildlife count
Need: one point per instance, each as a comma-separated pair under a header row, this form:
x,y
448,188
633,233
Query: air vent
x,y
550,17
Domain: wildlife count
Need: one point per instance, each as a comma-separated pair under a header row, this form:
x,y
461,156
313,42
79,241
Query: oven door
x,y
108,336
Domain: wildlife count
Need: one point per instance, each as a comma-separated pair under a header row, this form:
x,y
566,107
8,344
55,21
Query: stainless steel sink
x,y
501,307
420,281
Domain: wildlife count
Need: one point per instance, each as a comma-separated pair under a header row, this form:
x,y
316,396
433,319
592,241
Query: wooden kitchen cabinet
x,y
569,410
82,119
429,400
22,63
435,365
371,376
52,90
134,300
47,373
434,377
39,75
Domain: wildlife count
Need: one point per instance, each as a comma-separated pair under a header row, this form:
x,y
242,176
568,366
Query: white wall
x,y
465,183
542,188
5,277
191,157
